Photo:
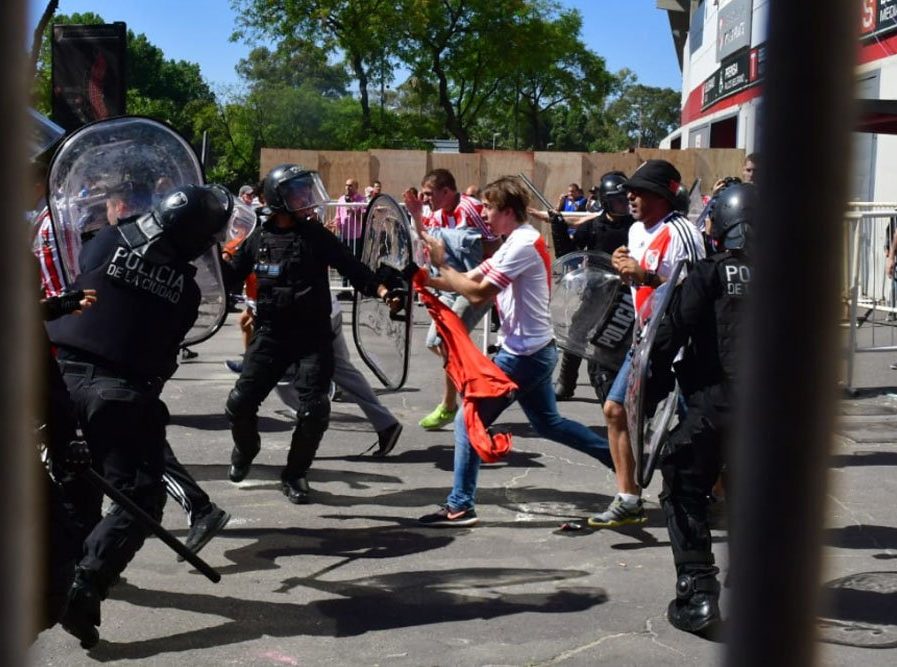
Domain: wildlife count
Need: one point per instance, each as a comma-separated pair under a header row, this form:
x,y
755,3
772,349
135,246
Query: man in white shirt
x,y
518,276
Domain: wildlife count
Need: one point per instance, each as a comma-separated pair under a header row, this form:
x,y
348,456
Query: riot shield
x,y
649,420
120,167
384,341
43,134
591,309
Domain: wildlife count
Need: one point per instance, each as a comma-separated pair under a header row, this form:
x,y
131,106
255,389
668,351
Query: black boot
x,y
242,455
296,489
696,607
82,617
565,386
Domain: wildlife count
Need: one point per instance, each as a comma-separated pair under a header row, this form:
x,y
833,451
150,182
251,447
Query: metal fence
x,y
869,293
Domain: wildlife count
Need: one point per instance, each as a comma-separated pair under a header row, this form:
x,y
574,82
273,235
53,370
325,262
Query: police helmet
x,y
733,215
291,188
183,225
611,193
683,200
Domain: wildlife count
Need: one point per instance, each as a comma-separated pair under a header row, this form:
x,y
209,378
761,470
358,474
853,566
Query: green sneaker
x,y
438,418
619,513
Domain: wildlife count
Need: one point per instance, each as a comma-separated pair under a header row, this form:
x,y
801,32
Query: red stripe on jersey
x,y
540,247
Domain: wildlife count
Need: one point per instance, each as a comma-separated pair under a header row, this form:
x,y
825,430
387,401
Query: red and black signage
x,y
88,73
736,73
878,18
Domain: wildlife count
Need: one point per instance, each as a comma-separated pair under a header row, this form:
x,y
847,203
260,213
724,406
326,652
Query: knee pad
x,y
313,417
239,406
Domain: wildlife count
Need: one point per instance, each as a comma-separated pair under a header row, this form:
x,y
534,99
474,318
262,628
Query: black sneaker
x,y
446,516
205,528
187,353
387,439
296,490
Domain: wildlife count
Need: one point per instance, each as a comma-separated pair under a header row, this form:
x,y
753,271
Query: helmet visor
x,y
303,192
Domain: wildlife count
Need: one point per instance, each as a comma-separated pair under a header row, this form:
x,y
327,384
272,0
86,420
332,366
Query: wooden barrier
x,y
550,171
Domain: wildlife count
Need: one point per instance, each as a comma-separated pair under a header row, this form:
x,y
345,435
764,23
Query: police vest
x,y
292,283
142,314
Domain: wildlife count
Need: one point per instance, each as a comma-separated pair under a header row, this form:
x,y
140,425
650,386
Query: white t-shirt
x,y
521,269
660,247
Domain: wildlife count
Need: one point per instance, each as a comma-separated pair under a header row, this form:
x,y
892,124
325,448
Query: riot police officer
x,y
704,316
115,359
606,233
290,254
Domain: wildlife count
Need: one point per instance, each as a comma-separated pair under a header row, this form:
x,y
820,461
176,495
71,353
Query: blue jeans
x,y
536,396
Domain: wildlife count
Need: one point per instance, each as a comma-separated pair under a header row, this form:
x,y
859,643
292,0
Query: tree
x,y
553,68
294,63
461,46
364,30
645,113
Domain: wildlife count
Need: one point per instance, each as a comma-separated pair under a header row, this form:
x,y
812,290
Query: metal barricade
x,y
345,220
869,293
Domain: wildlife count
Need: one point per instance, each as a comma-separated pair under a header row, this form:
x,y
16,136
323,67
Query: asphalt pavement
x,y
352,579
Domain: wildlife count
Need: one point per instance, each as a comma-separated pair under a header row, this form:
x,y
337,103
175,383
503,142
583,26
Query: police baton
x,y
154,526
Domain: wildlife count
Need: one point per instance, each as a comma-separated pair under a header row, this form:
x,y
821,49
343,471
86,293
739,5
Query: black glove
x,y
72,459
63,304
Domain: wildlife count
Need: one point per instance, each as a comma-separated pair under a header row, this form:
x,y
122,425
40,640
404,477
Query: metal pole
x,y
20,519
787,399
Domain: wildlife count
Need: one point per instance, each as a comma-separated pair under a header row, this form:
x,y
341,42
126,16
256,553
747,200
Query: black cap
x,y
658,177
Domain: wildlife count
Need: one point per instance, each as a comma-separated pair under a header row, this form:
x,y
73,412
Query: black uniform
x,y
604,234
292,325
115,358
705,313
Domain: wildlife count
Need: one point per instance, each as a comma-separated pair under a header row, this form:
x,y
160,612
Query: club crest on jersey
x,y
652,259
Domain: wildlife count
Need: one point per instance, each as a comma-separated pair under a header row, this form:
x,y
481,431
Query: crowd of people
x,y
483,253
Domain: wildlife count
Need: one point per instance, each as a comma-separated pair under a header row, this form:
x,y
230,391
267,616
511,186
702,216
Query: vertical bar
x,y
19,518
787,399
854,296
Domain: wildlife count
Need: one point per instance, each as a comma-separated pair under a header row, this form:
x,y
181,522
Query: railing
x,y
869,293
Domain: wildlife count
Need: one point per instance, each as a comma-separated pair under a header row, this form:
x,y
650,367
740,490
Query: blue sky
x,y
626,33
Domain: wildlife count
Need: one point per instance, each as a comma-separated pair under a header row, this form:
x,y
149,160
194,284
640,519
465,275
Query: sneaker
x,y
619,513
446,516
387,439
234,366
187,353
438,418
205,528
894,366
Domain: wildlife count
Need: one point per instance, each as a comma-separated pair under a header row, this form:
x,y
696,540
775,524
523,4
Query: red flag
x,y
474,375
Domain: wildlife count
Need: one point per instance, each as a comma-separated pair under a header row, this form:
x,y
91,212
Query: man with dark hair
x,y
457,219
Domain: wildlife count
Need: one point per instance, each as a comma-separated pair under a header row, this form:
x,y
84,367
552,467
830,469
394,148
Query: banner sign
x,y
736,73
878,18
734,27
88,73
